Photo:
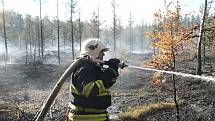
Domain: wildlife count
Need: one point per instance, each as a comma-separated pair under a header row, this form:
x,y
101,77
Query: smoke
x,y
17,53
14,52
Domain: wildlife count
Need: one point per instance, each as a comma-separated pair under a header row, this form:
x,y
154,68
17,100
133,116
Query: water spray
x,y
123,65
176,73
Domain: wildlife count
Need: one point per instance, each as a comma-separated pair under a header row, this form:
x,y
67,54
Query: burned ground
x,y
25,87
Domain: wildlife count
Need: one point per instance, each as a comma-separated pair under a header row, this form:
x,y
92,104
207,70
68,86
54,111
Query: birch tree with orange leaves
x,y
168,38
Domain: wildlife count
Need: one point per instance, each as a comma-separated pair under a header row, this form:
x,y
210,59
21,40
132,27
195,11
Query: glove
x,y
113,63
109,77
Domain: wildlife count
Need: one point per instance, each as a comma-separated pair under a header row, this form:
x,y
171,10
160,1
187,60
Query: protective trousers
x,y
88,117
76,113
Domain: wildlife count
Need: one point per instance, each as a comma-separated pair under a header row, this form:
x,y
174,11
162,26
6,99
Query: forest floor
x,y
25,87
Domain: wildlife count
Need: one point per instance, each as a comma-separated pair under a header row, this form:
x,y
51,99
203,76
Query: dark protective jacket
x,y
90,84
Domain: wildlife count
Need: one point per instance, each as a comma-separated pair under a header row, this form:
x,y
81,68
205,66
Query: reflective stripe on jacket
x,y
88,88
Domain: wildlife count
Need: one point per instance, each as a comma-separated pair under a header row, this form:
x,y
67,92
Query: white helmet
x,y
92,48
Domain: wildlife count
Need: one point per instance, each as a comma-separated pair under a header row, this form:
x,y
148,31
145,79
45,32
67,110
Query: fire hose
x,y
44,109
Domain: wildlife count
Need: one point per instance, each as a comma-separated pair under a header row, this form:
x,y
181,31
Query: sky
x,y
141,10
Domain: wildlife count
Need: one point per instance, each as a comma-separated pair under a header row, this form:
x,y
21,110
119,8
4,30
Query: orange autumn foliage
x,y
168,37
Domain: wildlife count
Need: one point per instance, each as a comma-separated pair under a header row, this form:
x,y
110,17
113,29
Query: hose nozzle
x,y
122,65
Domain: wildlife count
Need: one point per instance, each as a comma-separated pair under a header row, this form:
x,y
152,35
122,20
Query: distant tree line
x,y
24,32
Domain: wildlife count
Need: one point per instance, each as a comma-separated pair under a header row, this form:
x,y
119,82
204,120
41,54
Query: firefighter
x,y
90,83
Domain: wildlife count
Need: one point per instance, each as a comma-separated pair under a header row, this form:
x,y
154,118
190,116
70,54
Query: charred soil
x,y
25,87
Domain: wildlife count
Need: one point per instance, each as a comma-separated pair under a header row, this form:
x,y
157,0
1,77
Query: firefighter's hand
x,y
113,63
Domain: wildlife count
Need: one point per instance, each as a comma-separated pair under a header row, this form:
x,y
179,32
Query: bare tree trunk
x,y
64,35
38,37
41,31
114,23
130,38
58,35
30,51
199,68
35,51
98,25
204,52
35,38
72,32
30,35
64,42
204,47
130,22
80,29
26,50
5,35
175,89
28,40
173,65
52,36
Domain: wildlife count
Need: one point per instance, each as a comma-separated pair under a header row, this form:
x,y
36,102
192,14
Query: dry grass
x,y
140,111
136,93
9,110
